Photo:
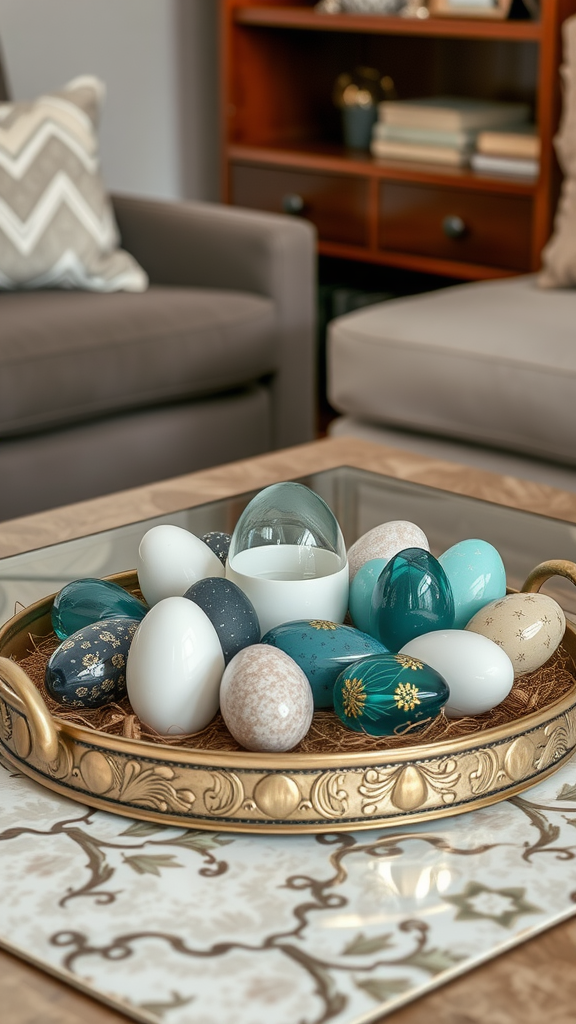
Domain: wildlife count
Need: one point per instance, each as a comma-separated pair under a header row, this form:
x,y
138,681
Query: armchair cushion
x,y
92,355
559,254
57,226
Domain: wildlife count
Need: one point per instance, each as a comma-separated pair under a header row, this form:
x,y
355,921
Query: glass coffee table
x,y
175,925
359,498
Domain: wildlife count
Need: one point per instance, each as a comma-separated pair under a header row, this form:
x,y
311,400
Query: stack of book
x,y
508,151
439,129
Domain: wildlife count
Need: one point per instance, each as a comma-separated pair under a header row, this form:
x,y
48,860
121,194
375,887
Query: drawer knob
x,y
454,227
292,203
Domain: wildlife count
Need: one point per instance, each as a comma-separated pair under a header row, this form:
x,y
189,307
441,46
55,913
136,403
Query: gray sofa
x,y
483,374
215,362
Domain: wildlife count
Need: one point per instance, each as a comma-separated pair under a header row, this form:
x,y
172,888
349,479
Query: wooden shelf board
x,y
336,159
461,28
408,261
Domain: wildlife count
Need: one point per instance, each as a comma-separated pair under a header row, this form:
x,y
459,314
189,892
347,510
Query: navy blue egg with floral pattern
x,y
88,669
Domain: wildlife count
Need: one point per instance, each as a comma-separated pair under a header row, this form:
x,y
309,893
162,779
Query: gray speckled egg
x,y
230,611
219,543
89,668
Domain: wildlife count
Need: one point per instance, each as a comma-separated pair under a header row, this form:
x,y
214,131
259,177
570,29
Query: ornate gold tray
x,y
238,791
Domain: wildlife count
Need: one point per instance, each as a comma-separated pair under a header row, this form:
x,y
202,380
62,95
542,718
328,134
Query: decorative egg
x,y
89,600
219,543
174,668
265,699
322,650
170,560
361,590
288,555
412,596
529,627
384,541
387,694
88,669
231,613
476,575
479,674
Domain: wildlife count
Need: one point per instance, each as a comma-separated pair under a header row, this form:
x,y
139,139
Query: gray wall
x,y
158,58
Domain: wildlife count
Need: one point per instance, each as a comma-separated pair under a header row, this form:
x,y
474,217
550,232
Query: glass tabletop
x,y
359,500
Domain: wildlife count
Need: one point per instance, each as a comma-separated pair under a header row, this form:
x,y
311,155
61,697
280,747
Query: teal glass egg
x,y
412,596
361,590
389,693
322,650
88,669
90,600
476,574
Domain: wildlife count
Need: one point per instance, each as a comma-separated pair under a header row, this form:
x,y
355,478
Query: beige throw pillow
x,y
57,226
559,254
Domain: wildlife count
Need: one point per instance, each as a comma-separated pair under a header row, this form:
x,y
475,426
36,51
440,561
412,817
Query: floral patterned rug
x,y
174,925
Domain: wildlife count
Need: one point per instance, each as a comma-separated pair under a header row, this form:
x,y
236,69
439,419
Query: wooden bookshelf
x,y
282,136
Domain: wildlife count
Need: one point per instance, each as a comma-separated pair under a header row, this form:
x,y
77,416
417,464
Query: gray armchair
x,y
215,362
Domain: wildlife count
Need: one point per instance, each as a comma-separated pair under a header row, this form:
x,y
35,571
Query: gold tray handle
x,y
17,690
545,571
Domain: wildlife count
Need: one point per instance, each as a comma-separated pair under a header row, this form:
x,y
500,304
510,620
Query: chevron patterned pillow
x,y
57,225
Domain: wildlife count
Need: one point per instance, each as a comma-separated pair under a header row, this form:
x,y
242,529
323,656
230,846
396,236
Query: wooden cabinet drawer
x,y
337,204
453,224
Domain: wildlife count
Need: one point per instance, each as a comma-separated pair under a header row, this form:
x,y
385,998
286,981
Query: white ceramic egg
x,y
170,560
529,627
384,541
174,668
265,699
479,674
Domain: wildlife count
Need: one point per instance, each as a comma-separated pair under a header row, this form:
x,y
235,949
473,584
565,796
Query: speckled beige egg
x,y
528,627
384,541
265,699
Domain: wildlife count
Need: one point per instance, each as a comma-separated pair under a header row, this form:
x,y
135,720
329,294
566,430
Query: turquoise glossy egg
x,y
88,669
412,596
90,600
387,694
322,650
476,575
361,590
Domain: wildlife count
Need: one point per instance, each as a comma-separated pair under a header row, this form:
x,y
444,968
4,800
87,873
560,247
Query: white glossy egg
x,y
265,699
174,668
384,541
479,674
529,627
170,560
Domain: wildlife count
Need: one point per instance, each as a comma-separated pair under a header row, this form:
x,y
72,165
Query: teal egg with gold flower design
x,y
88,669
389,693
323,650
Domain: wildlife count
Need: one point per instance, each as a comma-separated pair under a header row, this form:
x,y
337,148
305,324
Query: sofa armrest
x,y
207,245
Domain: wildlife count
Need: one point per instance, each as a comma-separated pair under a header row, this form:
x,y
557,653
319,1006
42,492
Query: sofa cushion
x,y
57,226
490,362
68,357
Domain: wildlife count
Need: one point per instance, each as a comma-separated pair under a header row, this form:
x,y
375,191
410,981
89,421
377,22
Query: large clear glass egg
x,y
288,555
